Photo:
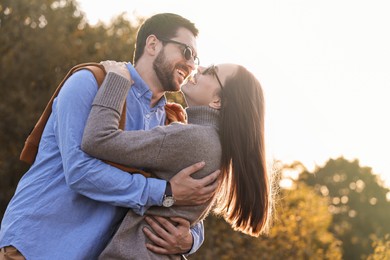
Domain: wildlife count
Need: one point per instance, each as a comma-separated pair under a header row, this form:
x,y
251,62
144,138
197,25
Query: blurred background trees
x,y
298,232
358,202
40,40
337,211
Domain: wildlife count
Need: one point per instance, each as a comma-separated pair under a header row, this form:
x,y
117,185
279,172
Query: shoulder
x,y
80,84
78,91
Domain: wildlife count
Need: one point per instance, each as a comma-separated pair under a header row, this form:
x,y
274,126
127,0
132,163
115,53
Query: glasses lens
x,y
187,53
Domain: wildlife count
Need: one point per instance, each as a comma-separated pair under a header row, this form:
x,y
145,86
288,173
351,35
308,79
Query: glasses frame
x,y
213,70
187,49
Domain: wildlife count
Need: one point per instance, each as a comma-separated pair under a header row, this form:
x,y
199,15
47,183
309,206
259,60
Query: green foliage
x,y
357,200
299,232
40,41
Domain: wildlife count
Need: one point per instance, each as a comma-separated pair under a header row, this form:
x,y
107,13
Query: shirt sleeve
x,y
197,232
85,174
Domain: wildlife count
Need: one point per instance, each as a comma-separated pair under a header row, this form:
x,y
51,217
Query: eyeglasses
x,y
188,53
211,70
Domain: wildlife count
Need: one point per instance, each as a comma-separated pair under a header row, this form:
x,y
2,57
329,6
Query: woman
x,y
225,129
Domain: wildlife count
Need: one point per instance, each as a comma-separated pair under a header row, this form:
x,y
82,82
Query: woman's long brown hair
x,y
243,198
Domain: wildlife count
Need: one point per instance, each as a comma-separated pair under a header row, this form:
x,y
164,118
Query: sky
x,y
324,67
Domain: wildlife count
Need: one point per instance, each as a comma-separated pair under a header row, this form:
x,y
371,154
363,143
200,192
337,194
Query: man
x,y
68,204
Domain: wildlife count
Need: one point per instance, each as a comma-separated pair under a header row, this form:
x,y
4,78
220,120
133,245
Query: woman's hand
x,y
116,67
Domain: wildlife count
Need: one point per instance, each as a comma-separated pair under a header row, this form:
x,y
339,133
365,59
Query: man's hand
x,y
172,236
189,191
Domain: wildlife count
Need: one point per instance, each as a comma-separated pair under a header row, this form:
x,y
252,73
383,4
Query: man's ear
x,y
215,103
152,46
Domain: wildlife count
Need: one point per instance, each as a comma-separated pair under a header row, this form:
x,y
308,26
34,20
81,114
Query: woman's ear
x,y
215,103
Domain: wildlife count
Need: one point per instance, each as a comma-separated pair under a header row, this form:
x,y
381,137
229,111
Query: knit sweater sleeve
x,y
102,138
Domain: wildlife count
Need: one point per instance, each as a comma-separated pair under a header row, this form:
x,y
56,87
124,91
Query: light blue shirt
x,y
68,204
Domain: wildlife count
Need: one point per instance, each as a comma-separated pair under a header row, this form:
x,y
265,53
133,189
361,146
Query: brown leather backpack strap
x,y
31,145
97,70
30,149
129,169
100,73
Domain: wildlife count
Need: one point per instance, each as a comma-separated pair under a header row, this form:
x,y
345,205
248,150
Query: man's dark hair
x,y
164,25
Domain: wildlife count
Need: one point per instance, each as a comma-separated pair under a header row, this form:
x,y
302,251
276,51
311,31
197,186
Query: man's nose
x,y
191,64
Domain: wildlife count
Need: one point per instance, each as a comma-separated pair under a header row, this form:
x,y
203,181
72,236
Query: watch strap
x,y
168,189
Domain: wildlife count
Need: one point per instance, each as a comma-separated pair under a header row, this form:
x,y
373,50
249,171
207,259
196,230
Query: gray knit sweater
x,y
163,151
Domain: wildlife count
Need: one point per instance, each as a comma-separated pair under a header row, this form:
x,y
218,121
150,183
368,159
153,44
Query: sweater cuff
x,y
113,92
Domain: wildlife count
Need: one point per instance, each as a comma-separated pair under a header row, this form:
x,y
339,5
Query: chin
x,y
177,88
173,87
184,89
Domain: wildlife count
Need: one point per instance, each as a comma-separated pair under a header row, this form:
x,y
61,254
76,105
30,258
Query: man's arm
x,y
89,176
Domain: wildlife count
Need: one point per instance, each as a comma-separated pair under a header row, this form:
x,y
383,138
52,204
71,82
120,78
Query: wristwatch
x,y
168,199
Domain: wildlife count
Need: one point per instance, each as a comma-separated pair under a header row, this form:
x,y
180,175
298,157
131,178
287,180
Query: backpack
x,y
174,113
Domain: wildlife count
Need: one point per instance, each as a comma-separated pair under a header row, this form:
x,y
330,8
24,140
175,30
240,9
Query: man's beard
x,y
165,72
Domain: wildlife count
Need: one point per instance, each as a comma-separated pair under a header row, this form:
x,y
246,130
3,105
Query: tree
x,y
40,41
28,74
300,231
357,200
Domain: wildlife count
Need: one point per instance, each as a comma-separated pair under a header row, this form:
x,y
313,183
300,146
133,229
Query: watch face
x,y
168,201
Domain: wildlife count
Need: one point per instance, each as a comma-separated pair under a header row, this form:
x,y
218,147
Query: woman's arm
x,y
167,149
103,139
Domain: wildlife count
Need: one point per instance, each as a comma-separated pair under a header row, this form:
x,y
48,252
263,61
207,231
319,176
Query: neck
x,y
203,115
146,71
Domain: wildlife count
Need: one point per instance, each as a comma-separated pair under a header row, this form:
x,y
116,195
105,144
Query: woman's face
x,y
204,87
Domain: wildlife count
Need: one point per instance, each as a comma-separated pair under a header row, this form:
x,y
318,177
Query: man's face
x,y
170,65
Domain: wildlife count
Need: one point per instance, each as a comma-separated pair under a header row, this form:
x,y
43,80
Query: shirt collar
x,y
141,87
